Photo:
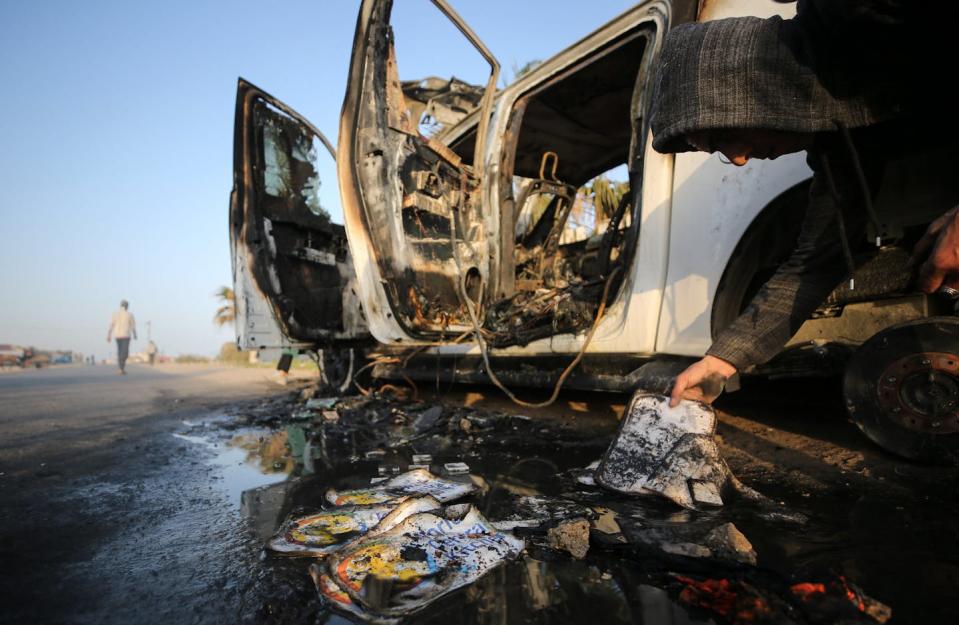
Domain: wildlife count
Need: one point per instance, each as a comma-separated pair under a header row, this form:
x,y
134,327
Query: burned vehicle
x,y
530,235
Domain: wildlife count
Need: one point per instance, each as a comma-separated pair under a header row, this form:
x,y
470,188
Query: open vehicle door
x,y
292,273
413,207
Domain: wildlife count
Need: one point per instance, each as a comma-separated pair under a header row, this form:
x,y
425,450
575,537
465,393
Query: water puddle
x,y
246,460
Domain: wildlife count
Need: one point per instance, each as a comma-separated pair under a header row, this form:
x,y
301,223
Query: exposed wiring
x,y
481,342
861,179
386,360
840,222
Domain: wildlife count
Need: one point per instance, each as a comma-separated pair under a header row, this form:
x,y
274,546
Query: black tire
x,y
340,366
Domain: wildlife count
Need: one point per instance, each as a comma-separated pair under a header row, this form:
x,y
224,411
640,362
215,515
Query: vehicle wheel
x,y
902,389
338,366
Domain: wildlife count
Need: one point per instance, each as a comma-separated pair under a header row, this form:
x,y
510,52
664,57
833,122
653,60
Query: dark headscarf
x,y
752,73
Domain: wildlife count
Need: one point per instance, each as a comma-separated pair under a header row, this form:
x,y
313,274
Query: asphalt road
x,y
93,408
100,505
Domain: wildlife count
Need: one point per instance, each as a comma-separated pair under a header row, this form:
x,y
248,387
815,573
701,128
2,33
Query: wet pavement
x,y
179,536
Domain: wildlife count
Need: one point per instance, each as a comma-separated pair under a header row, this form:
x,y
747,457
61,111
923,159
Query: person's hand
x,y
703,380
108,338
940,249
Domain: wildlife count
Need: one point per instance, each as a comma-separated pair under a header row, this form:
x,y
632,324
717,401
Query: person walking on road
x,y
122,326
152,352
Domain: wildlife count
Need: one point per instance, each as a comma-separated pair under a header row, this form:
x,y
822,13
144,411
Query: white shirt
x,y
123,325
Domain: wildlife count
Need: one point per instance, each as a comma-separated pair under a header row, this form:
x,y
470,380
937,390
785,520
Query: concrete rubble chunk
x,y
727,542
689,550
570,536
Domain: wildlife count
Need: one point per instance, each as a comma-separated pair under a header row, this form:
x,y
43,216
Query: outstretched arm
x,y
938,251
783,304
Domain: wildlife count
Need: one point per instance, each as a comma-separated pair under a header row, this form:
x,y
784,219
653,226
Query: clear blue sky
x,y
116,130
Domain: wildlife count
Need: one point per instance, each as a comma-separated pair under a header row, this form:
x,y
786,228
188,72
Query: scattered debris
x,y
836,596
318,534
380,564
570,536
395,572
726,541
538,512
456,468
587,475
689,550
296,439
740,602
321,403
412,483
606,528
428,418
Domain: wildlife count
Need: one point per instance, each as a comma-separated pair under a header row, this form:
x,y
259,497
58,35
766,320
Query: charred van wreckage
x,y
529,235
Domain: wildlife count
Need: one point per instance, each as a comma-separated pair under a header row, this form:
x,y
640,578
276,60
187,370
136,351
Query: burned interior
x,y
572,224
299,257
536,259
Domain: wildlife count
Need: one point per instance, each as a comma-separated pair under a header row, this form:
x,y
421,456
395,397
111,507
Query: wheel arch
x,y
766,242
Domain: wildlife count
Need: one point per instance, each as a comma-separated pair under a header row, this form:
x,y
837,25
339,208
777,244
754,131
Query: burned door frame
x,y
393,181
257,282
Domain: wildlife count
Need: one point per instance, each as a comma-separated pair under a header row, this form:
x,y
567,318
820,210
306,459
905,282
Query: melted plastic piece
x,y
412,483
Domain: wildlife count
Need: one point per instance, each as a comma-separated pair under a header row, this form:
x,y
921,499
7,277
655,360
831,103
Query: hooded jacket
x,y
839,64
854,63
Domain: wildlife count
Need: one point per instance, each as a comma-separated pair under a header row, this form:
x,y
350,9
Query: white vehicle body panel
x,y
712,205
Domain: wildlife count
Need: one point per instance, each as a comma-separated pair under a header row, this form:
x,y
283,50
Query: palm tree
x,y
227,312
604,195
